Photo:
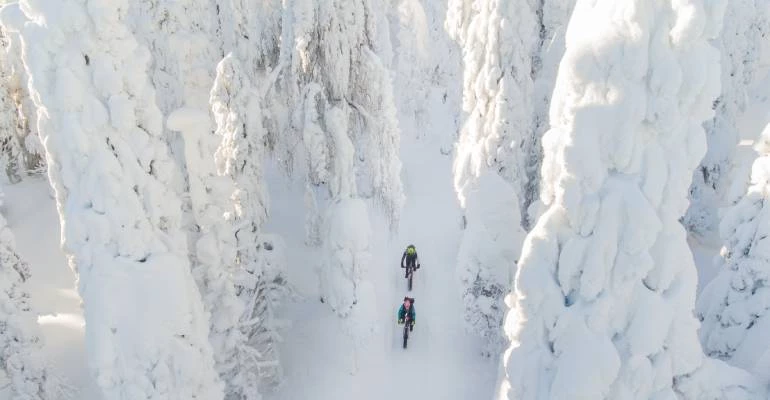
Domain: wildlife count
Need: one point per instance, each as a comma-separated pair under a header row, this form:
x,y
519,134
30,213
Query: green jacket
x,y
402,312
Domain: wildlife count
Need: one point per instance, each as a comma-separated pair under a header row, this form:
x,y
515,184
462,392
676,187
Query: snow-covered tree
x,y
11,160
343,114
487,256
198,31
498,41
411,56
239,157
552,19
511,51
24,372
742,44
335,67
733,307
20,148
146,330
214,256
606,274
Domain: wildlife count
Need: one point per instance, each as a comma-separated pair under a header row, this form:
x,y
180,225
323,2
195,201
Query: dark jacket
x,y
407,259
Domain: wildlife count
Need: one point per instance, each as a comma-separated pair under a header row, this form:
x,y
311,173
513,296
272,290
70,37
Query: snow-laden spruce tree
x,y
214,256
146,330
344,116
24,372
197,31
606,284
344,72
507,89
743,39
498,39
412,51
487,257
11,157
239,157
184,39
20,149
552,19
733,307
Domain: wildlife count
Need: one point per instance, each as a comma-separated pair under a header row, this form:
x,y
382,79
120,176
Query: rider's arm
x,y
417,261
403,258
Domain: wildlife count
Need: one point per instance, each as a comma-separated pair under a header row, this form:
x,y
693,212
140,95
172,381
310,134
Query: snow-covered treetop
x,y
606,273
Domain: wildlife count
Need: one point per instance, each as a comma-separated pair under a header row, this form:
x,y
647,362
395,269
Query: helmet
x,y
410,249
409,299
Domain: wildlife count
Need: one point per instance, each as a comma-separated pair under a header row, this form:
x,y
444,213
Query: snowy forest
x,y
211,199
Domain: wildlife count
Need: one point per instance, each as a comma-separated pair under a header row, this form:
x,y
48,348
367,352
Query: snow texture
x,y
220,210
11,159
498,40
214,257
733,307
498,43
412,47
340,86
487,257
121,225
552,17
347,254
744,52
606,274
24,370
20,148
344,117
239,157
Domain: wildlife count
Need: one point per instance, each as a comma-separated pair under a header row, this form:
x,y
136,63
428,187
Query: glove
x,y
418,266
400,321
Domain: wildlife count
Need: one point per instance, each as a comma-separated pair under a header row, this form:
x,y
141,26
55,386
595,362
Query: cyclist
x,y
407,309
410,259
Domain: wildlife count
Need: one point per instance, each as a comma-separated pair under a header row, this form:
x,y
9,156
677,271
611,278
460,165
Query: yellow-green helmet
x,y
411,249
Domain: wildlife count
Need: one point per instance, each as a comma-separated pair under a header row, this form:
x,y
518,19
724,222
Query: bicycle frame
x,y
409,274
407,323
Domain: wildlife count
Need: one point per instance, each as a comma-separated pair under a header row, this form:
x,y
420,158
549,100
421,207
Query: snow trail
x,y
362,354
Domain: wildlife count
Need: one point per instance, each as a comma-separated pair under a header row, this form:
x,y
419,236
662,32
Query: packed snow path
x,y
326,357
